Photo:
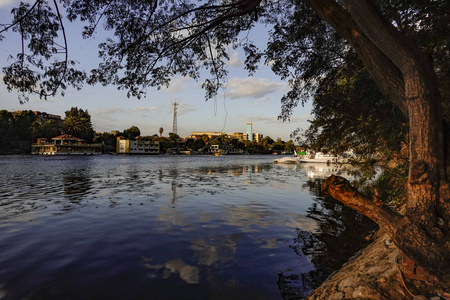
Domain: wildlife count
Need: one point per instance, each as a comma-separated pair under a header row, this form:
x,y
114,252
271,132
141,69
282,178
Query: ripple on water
x,y
130,227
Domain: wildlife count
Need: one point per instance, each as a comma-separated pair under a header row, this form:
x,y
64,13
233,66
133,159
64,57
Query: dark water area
x,y
168,227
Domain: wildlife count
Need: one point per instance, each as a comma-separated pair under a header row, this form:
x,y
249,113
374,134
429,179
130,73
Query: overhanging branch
x,y
340,189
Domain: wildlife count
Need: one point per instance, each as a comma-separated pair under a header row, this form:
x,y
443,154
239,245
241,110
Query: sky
x,y
246,99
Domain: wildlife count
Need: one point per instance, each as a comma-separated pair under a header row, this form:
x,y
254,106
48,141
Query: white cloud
x,y
273,120
7,2
177,85
259,102
144,109
252,88
234,60
305,117
185,108
15,3
266,120
182,108
106,113
109,110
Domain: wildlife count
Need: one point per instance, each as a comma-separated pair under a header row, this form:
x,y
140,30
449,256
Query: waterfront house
x,y
64,145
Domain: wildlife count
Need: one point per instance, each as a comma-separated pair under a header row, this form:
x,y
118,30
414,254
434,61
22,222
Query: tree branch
x,y
385,74
65,41
22,17
387,38
340,189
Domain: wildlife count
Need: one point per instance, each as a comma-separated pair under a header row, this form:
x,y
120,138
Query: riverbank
x,y
379,272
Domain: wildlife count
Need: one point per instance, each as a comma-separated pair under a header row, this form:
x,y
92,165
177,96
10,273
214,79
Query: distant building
x,y
136,146
257,137
114,132
43,116
210,134
249,131
239,136
65,145
249,136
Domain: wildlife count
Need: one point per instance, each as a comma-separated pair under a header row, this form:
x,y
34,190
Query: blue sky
x,y
245,99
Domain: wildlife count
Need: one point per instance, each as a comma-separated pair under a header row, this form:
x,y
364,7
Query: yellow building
x,y
137,146
210,134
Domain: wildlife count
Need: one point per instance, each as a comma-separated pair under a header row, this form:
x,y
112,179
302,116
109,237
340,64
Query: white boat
x,y
319,157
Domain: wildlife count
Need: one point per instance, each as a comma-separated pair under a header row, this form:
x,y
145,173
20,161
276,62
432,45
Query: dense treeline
x,y
16,131
19,129
202,144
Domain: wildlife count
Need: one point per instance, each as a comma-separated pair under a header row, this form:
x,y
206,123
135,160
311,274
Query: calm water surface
x,y
167,227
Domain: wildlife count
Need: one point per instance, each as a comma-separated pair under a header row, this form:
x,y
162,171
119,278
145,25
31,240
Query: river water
x,y
168,227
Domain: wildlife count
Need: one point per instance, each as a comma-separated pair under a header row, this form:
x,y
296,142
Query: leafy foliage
x,y
78,123
16,130
350,113
132,132
151,41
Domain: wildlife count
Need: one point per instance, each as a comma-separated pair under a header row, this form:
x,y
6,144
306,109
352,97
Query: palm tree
x,y
74,125
161,131
51,128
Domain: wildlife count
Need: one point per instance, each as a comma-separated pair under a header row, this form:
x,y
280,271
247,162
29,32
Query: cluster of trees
x,y
369,64
16,131
19,130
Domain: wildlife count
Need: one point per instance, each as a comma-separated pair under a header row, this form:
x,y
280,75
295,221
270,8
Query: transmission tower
x,y
175,126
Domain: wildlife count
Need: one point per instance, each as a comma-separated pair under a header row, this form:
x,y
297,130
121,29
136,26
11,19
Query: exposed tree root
x,y
375,273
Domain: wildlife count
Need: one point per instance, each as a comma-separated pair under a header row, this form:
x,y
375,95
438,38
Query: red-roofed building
x,y
64,145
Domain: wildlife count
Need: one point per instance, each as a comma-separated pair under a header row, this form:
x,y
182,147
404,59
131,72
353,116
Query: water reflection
x,y
76,185
166,228
341,232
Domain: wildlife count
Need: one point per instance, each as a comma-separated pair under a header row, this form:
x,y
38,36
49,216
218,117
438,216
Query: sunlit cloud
x,y
252,88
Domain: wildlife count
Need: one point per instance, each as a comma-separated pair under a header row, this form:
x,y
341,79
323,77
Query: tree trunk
x,y
409,81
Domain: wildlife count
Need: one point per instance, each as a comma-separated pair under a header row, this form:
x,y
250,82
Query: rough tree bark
x,y
405,75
